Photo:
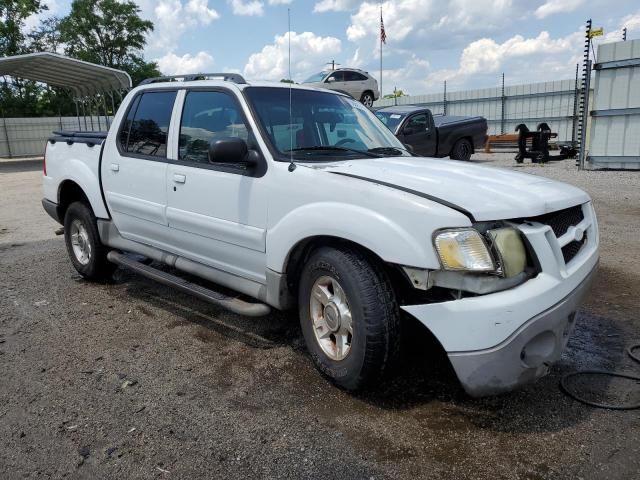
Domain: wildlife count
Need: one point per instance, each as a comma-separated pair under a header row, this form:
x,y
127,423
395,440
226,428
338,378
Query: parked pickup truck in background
x,y
300,198
435,135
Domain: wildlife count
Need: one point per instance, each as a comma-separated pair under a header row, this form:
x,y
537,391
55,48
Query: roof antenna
x,y
292,165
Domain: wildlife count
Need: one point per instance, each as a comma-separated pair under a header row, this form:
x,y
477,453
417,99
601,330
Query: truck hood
x,y
486,193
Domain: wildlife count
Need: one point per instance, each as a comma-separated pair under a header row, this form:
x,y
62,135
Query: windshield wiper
x,y
390,149
334,148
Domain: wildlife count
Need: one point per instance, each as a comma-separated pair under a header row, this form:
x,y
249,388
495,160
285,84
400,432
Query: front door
x,y
134,169
218,211
420,134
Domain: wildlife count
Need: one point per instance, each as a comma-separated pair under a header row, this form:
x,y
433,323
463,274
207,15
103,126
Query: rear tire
x,y
462,150
87,253
367,99
349,317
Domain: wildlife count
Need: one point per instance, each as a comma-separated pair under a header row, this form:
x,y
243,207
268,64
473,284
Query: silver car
x,y
352,81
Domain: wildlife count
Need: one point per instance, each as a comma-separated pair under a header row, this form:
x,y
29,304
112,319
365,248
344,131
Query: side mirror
x,y
409,130
331,79
232,150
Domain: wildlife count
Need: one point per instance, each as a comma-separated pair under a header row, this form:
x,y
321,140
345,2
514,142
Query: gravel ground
x,y
132,380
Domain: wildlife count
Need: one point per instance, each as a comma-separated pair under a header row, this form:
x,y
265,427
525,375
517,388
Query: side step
x,y
234,305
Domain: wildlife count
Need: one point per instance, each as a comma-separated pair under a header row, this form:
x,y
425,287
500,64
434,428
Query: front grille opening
x,y
561,220
571,249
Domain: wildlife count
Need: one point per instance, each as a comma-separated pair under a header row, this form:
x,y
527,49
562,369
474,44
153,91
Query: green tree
x,y
13,14
110,33
46,37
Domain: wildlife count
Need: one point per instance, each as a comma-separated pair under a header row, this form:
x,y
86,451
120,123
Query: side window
x,y
418,123
125,130
337,76
353,77
148,124
208,116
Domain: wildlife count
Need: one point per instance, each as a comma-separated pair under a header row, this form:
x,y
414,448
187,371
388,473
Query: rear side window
x,y
206,117
145,130
353,77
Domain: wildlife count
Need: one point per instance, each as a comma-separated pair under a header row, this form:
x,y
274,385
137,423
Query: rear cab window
x,y
145,129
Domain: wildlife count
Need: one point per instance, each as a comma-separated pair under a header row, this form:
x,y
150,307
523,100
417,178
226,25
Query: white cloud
x,y
247,7
172,64
172,18
551,7
335,5
199,9
280,2
309,52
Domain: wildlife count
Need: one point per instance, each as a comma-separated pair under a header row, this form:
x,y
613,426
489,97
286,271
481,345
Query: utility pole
x,y
576,97
333,64
624,34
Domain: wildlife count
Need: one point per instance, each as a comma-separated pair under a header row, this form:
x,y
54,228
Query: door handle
x,y
115,167
178,178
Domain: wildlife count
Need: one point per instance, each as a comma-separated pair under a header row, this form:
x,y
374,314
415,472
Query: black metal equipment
x,y
539,151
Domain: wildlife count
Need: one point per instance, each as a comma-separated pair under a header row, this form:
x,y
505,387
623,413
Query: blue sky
x,y
469,43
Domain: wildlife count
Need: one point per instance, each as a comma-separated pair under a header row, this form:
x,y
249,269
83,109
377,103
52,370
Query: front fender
x,y
357,224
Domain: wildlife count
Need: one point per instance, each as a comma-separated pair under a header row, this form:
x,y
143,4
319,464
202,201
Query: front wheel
x,y
462,150
349,317
367,99
87,253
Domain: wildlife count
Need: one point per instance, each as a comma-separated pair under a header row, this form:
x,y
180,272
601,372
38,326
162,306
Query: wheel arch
x,y
70,191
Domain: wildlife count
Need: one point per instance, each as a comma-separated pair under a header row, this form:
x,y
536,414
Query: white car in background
x,y
352,81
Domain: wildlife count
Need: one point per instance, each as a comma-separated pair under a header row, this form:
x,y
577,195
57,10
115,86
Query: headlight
x,y
511,250
463,249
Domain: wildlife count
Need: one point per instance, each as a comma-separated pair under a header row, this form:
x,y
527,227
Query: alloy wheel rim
x,y
80,243
331,318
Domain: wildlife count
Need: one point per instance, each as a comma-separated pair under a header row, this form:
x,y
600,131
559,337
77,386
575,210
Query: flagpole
x,y
381,51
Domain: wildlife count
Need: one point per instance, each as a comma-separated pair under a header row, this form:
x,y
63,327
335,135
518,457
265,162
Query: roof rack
x,y
228,77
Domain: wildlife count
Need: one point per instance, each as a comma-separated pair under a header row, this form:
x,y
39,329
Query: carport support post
x,y
78,114
6,134
585,115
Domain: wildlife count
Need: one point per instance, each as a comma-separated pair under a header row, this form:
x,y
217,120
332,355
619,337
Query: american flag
x,y
383,34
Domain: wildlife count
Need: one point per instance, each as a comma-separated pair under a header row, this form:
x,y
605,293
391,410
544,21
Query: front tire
x,y
367,99
349,317
87,253
462,150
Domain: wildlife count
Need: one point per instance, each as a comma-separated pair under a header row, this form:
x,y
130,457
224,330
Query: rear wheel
x,y
462,150
349,317
87,253
367,99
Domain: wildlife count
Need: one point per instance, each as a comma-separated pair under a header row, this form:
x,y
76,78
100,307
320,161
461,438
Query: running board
x,y
234,305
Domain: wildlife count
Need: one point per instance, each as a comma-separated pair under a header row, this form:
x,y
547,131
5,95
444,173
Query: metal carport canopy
x,y
83,78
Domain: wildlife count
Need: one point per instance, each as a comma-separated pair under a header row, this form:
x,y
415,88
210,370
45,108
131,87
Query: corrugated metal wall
x,y
615,118
532,103
26,137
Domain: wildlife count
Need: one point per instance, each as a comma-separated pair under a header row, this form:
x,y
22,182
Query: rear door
x,y
356,84
216,211
419,132
134,168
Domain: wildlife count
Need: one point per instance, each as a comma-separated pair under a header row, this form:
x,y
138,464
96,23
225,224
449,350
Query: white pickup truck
x,y
301,198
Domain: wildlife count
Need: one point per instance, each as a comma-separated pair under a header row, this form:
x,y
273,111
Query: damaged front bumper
x,y
500,341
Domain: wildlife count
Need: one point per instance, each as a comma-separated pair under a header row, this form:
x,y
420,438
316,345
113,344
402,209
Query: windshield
x,y
316,77
391,120
321,125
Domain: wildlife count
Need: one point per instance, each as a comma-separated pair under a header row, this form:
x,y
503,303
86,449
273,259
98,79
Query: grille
x,y
571,249
561,220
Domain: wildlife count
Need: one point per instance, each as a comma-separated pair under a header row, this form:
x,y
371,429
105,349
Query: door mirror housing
x,y
331,79
232,150
408,130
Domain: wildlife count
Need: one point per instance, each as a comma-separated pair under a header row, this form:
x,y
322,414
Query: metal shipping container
x,y
615,118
